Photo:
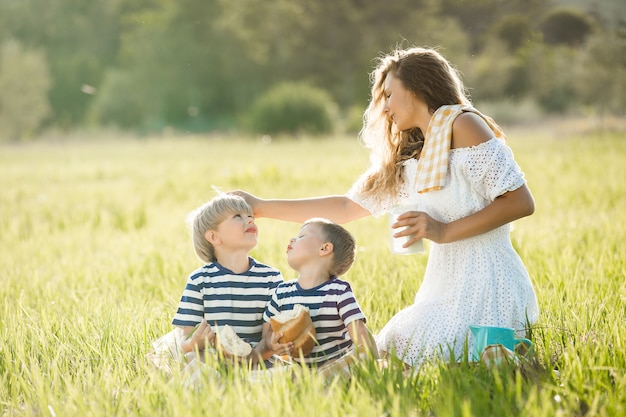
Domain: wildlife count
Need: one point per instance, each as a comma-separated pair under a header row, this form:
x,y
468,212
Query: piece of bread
x,y
230,344
297,327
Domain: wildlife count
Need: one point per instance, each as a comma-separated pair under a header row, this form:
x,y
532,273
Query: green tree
x,y
333,44
565,26
24,84
600,73
478,17
80,40
514,30
293,108
119,102
187,71
491,71
552,77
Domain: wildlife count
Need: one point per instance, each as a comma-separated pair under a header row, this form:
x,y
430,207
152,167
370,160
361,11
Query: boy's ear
x,y
212,237
326,249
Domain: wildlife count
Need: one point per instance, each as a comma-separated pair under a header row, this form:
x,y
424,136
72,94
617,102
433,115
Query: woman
x,y
431,147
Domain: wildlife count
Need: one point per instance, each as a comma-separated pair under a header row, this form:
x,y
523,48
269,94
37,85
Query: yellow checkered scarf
x,y
432,165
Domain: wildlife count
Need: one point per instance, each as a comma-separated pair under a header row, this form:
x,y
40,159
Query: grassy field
x,y
95,253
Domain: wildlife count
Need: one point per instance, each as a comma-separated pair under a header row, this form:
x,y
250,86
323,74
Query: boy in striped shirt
x,y
322,252
231,288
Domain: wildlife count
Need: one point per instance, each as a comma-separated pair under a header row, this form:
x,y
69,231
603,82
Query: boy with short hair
x,y
231,288
322,251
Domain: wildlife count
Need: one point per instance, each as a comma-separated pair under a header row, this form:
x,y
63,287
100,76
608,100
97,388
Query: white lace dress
x,y
480,280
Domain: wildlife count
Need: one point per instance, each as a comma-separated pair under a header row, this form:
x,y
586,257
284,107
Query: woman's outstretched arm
x,y
337,208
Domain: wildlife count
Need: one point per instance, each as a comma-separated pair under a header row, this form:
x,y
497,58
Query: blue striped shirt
x,y
222,297
332,306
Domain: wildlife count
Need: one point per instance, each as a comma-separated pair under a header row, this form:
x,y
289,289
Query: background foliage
x,y
292,108
198,65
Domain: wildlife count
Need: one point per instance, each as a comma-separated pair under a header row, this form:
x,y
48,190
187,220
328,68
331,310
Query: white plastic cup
x,y
398,242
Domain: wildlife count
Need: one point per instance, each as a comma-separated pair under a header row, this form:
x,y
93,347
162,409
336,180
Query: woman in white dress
x,y
431,147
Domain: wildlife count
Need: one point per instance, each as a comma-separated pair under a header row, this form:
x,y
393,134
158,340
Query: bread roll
x,y
230,344
297,327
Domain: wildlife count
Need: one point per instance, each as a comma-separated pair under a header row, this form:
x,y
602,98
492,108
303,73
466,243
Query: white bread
x,y
230,344
297,327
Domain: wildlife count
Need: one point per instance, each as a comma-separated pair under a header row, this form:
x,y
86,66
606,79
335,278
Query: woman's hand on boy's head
x,y
250,199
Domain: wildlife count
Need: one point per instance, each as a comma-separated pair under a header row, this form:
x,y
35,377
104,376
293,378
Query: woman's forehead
x,y
391,81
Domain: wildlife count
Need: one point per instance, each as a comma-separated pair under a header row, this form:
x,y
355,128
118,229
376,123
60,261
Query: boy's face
x,y
306,246
238,231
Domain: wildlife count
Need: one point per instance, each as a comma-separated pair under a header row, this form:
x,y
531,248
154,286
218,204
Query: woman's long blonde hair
x,y
431,78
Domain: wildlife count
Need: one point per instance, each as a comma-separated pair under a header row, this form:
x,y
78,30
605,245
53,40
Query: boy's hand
x,y
278,348
362,338
203,336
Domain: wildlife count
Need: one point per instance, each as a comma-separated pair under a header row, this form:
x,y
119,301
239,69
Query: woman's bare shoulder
x,y
469,129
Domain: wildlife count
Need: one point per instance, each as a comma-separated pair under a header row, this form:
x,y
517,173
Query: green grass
x,y
95,253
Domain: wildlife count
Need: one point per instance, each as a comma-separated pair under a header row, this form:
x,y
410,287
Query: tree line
x,y
200,65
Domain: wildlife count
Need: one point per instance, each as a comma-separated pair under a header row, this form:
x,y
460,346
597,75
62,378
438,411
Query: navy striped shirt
x,y
332,306
223,297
